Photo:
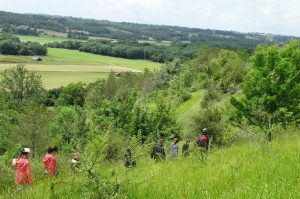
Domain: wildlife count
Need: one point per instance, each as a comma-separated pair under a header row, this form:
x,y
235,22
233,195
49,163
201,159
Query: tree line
x,y
21,30
133,32
11,45
132,50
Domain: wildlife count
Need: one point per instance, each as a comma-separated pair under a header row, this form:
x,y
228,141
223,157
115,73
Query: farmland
x,y
62,66
41,39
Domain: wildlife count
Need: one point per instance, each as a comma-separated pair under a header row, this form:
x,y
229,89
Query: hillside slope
x,y
252,170
243,171
85,28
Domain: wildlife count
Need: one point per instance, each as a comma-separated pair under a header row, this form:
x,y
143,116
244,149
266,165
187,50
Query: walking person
x,y
75,162
22,164
129,159
203,139
174,149
50,161
186,148
158,151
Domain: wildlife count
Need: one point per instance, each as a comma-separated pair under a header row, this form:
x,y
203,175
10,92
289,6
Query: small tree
x,y
68,128
18,85
32,127
272,88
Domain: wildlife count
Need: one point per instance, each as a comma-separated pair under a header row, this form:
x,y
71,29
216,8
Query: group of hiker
x,y
158,151
24,176
22,164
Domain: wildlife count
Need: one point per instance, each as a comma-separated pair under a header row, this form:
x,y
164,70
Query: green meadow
x,y
41,39
61,66
57,79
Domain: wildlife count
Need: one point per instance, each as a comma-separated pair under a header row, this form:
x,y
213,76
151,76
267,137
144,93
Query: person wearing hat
x,y
203,139
23,175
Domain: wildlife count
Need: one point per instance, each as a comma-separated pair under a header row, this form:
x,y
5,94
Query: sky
x,y
264,16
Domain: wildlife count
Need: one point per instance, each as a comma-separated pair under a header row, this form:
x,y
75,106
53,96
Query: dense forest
x,y
244,98
83,28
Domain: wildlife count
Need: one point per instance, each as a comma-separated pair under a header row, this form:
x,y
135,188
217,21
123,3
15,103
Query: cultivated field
x,y
57,79
41,39
61,66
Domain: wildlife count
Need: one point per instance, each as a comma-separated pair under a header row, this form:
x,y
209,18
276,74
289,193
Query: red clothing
x,y
50,164
23,175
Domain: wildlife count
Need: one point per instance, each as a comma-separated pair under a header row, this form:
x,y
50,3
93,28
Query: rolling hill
x,y
90,29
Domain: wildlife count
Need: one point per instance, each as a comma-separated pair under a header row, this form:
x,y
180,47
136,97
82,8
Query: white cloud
x,y
270,16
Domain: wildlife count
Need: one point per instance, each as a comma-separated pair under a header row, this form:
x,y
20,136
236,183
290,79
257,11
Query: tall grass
x,y
252,170
244,171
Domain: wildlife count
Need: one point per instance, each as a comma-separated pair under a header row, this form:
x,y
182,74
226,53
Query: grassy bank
x,y
252,170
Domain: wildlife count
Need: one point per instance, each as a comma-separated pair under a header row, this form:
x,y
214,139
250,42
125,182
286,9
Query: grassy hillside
x,y
61,67
187,109
251,170
243,171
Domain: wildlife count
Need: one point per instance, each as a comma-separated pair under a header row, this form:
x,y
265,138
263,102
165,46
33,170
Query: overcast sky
x,y
267,16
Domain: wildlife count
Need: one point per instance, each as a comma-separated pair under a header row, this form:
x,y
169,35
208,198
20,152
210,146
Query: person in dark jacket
x,y
186,148
158,151
128,159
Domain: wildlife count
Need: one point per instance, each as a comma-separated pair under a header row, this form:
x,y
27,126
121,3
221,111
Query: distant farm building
x,y
36,59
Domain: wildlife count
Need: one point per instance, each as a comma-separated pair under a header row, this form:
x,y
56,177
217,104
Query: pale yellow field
x,y
73,68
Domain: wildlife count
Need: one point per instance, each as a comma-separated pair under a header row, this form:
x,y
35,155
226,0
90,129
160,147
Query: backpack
x,y
202,140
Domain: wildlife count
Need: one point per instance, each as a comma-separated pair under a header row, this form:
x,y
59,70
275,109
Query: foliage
x,y
211,118
20,30
131,49
133,32
228,70
11,45
18,85
31,128
71,95
272,88
68,130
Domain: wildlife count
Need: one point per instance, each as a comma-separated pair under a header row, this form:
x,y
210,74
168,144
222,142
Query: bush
x,y
213,94
211,118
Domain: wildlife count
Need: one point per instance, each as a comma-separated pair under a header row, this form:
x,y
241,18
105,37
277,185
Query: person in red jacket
x,y
50,161
23,175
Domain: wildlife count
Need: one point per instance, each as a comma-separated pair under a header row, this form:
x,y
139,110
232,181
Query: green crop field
x,y
41,39
62,66
58,56
57,79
